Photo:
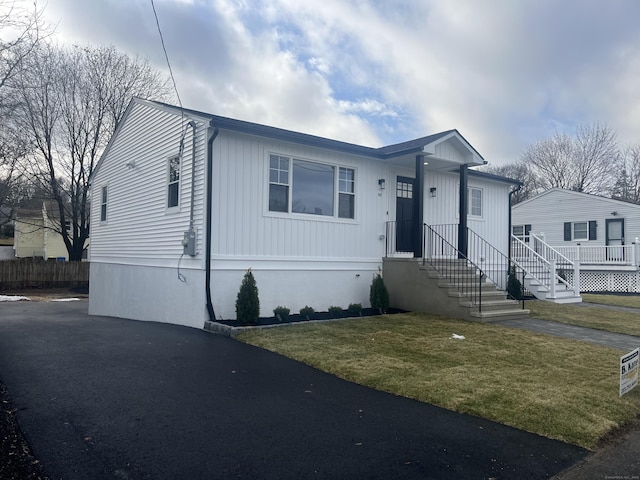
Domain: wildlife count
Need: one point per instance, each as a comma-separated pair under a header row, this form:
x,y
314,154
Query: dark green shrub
x,y
248,303
282,313
514,287
378,294
355,309
335,311
307,312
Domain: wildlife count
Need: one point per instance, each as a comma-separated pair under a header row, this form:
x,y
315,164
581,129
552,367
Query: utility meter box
x,y
189,243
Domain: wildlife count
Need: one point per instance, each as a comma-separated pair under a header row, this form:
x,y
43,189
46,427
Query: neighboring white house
x,y
184,202
598,233
36,235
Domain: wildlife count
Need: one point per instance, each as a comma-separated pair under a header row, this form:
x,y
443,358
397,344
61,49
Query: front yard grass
x,y
559,388
631,301
600,318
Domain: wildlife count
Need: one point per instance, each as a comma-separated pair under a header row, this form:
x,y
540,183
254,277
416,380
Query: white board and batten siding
x,y
135,252
548,211
297,259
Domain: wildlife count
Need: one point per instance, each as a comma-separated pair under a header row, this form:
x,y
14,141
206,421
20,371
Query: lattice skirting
x,y
608,281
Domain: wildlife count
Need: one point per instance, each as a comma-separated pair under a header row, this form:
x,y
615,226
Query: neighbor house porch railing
x,y
601,254
544,264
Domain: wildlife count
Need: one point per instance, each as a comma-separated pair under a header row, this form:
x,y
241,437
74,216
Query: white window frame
x,y
170,183
470,193
337,189
104,201
586,231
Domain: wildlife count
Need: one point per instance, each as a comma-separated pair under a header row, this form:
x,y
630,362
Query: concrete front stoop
x,y
420,288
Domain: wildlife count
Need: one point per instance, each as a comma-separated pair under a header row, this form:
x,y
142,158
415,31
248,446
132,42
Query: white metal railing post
x,y
577,256
552,278
635,252
576,278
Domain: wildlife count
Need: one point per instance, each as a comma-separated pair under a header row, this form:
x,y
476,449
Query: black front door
x,y
404,214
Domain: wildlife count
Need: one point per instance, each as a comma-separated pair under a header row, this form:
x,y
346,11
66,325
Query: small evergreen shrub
x,y
248,303
307,311
335,311
282,312
378,294
355,309
514,287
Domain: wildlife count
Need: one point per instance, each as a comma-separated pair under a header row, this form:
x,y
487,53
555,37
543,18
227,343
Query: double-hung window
x,y
347,193
301,186
475,202
173,188
586,230
103,205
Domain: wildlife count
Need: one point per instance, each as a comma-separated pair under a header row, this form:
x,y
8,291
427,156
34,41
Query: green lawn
x,y
632,301
600,318
559,388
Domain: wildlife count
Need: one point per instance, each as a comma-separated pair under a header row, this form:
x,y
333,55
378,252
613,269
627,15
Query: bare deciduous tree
x,y
517,171
21,30
582,163
627,185
71,100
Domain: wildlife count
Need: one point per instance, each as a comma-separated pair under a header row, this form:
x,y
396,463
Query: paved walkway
x,y
105,398
619,459
600,337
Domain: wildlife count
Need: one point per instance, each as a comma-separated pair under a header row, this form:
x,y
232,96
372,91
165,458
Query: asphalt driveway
x,y
105,398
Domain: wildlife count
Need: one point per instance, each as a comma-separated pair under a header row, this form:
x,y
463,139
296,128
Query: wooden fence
x,y
28,273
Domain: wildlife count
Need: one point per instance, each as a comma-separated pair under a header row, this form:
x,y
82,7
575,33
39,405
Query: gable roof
x,y
424,145
583,195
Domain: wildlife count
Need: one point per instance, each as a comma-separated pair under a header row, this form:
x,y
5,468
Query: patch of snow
x,y
457,337
65,300
12,298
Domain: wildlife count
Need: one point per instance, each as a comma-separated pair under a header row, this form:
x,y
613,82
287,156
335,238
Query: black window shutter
x,y
593,227
567,231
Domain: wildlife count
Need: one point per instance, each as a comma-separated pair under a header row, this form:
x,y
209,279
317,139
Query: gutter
x,y
212,133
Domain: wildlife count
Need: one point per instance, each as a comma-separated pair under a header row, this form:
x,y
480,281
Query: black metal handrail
x,y
494,264
453,266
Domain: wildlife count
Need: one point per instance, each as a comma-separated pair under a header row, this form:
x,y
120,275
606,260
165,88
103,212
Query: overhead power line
x,y
166,56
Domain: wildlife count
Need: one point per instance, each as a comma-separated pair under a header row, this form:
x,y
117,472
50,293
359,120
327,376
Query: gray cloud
x,y
504,73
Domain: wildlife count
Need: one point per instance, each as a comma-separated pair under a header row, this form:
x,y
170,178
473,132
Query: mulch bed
x,y
297,318
16,460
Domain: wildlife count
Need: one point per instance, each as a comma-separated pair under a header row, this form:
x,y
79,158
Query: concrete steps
x,y
495,306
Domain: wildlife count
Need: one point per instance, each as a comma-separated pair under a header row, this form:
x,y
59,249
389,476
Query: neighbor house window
x,y
300,186
67,226
173,191
521,232
580,230
103,205
475,202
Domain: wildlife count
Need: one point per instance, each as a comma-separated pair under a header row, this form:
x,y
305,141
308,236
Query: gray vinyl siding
x,y
139,226
548,212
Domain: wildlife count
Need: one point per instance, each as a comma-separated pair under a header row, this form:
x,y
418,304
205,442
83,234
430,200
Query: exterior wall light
x,y
432,191
381,183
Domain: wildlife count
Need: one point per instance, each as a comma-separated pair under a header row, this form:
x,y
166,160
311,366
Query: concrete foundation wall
x,y
147,293
293,289
411,288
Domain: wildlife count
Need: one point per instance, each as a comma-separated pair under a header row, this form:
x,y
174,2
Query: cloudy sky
x,y
374,72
